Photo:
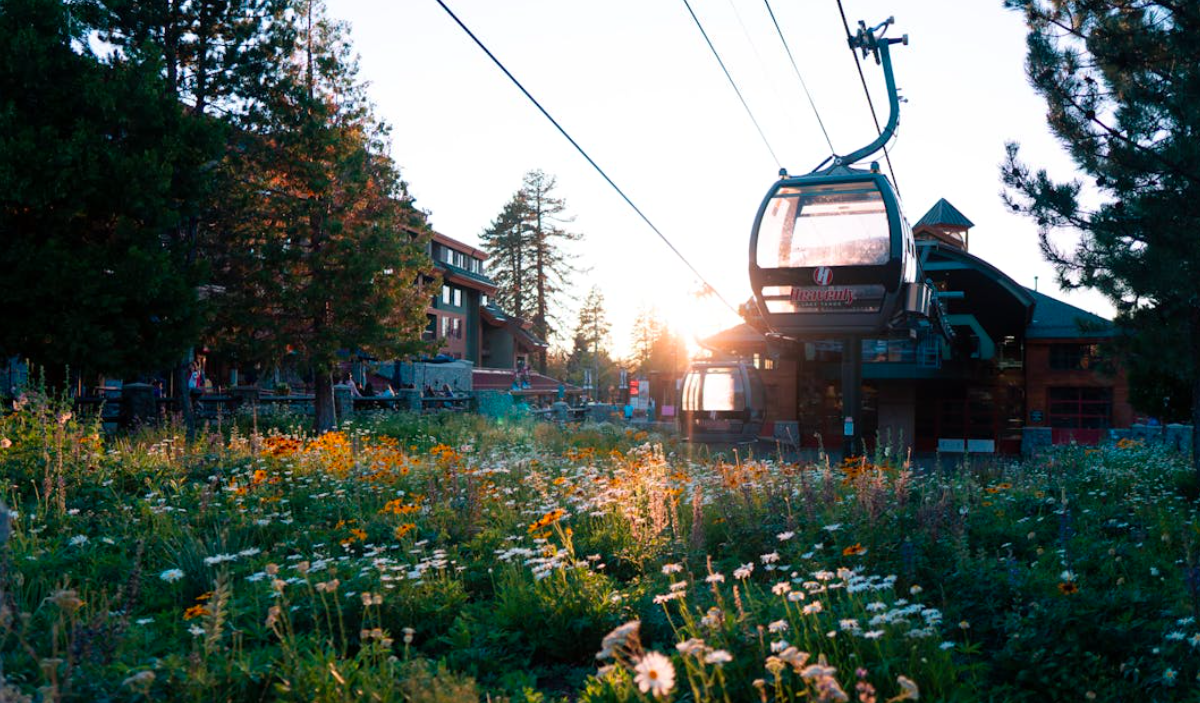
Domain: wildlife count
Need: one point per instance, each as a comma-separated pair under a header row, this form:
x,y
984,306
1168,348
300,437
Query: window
x,y
765,363
446,297
483,300
458,297
446,326
457,328
722,391
1073,357
448,255
844,224
1080,408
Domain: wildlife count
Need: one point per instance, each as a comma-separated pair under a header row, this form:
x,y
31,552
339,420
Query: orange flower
x,y
1068,588
854,550
404,529
195,611
547,520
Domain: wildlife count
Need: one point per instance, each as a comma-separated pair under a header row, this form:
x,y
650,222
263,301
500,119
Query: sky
x,y
635,84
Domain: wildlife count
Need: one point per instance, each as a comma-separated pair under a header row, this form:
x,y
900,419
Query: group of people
x,y
368,390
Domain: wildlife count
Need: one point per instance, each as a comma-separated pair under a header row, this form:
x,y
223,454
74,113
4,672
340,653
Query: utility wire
x,y
731,81
802,83
583,153
863,78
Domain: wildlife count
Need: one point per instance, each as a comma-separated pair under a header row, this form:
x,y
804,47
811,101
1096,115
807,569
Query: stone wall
x,y
1175,437
456,374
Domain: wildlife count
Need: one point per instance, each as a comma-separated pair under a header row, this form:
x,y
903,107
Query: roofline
x,y
459,246
1017,290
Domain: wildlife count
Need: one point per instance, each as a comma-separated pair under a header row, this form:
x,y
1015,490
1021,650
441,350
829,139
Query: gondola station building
x,y
1021,370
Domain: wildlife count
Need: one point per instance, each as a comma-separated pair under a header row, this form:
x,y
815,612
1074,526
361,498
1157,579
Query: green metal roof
x,y
1054,319
943,213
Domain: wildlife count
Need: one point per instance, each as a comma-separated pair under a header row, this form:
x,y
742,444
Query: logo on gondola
x,y
822,275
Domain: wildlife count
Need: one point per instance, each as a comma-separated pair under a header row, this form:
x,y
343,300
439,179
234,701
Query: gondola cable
x,y
589,159
861,77
803,85
731,82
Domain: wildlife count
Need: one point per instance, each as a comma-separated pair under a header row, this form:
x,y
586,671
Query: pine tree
x,y
92,157
506,240
329,254
526,255
551,263
214,57
1121,83
590,350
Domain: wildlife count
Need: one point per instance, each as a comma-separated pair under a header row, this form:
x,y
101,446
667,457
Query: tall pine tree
x,y
527,256
93,157
324,249
1122,85
214,57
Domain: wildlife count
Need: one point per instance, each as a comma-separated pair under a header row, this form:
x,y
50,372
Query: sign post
x,y
851,395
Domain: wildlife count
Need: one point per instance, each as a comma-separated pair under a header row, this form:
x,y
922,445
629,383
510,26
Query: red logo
x,y
823,275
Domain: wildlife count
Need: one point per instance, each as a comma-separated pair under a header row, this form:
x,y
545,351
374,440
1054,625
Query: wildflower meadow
x,y
455,558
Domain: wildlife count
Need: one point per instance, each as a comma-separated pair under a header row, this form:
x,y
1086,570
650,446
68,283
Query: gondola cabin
x,y
723,402
831,254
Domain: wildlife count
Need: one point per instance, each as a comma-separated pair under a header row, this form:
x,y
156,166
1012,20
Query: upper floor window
x,y
1073,357
446,295
457,297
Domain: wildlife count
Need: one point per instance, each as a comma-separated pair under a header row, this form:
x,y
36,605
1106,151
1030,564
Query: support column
x,y
851,395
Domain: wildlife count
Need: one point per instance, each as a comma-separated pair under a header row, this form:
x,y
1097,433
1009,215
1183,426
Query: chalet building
x,y
467,321
1019,359
454,314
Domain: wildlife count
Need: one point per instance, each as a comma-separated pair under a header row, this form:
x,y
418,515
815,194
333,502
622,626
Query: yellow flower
x,y
195,611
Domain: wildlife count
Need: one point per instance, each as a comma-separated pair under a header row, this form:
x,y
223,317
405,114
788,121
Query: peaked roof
x,y
1054,319
943,213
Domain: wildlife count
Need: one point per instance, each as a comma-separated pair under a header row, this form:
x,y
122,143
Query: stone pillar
x,y
343,402
1178,438
138,405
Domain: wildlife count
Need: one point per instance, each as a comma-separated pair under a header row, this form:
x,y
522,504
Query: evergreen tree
x,y
551,263
590,350
324,247
527,257
92,157
506,240
214,57
1122,83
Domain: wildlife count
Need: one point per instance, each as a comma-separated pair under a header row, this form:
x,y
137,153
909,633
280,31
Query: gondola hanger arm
x,y
872,42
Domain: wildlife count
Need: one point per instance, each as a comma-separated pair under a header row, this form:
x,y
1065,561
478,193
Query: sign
x,y
817,297
633,387
952,446
981,446
848,427
822,275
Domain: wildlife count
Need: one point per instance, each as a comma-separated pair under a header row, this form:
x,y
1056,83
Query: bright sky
x,y
637,87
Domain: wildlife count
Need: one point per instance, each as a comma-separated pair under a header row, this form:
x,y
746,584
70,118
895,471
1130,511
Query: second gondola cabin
x,y
722,402
832,253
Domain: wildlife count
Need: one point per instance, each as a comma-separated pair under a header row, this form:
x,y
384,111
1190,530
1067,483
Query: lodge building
x,y
1018,359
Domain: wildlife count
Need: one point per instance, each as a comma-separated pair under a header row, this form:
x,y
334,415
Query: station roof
x,y
946,215
1054,319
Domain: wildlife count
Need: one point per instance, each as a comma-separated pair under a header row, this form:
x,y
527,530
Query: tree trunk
x,y
1194,320
324,418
